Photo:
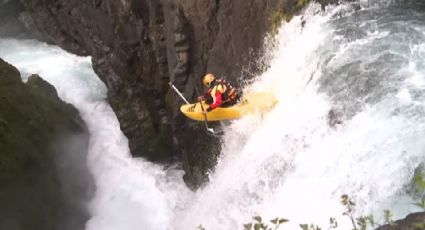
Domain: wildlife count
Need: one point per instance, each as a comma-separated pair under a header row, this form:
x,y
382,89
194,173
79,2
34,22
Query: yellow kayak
x,y
250,103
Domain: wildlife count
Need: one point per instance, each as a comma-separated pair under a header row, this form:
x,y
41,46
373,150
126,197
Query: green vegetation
x,y
419,181
258,224
358,223
276,20
285,14
301,4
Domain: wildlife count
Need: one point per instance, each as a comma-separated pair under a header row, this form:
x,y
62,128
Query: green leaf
x,y
275,220
247,226
388,215
304,226
371,220
257,218
420,181
362,223
257,226
333,223
344,199
283,220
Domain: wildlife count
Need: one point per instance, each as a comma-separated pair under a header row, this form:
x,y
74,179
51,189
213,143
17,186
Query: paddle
x,y
210,130
206,119
178,92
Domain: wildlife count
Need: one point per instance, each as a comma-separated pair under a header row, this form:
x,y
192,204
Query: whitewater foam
x,y
365,65
131,193
296,162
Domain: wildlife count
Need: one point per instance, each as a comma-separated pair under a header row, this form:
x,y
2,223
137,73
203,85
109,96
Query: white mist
x,y
132,194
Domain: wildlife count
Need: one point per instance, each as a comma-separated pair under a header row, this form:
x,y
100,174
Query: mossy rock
x,y
9,74
32,120
286,13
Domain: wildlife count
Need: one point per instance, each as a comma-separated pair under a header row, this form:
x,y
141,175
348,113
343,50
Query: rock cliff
x,y
10,25
413,221
139,46
44,181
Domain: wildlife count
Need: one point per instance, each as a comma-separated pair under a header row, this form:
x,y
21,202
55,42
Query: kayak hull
x,y
251,103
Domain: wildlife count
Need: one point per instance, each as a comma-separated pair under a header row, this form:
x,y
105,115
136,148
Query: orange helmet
x,y
208,79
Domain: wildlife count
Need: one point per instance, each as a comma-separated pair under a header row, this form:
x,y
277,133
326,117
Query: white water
x,y
289,163
131,194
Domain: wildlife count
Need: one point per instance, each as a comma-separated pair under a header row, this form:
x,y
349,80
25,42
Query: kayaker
x,y
220,93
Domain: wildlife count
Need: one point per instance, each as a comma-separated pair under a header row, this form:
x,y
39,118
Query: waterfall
x,y
350,120
131,193
350,81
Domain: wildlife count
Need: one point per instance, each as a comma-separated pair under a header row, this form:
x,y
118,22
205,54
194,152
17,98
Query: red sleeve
x,y
217,101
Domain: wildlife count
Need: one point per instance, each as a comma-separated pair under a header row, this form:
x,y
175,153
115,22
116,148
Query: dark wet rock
x,y
44,180
11,25
3,2
139,46
334,117
414,221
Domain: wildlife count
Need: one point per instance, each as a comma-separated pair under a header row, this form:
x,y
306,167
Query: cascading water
x,y
350,82
131,193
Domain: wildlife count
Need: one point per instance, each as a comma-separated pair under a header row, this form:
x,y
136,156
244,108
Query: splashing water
x,y
350,82
131,193
350,120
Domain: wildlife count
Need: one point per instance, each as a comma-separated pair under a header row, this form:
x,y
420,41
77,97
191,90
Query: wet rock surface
x,y
414,221
44,179
11,26
139,46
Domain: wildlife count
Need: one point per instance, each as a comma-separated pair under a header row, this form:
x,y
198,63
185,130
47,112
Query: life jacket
x,y
228,92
